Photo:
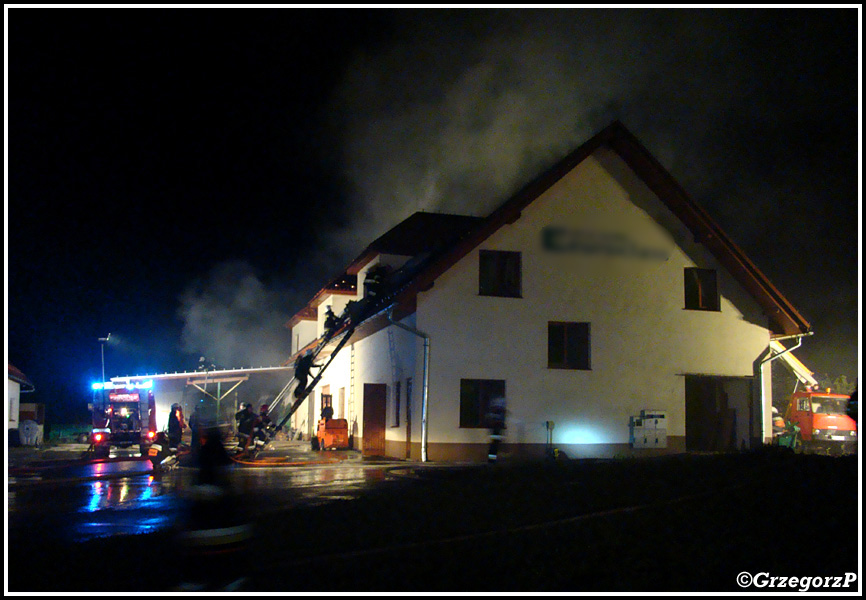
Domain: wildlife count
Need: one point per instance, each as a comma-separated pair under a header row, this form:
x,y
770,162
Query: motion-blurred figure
x,y
496,423
217,533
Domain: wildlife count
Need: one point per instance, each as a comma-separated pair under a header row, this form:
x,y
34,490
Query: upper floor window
x,y
701,289
499,274
568,346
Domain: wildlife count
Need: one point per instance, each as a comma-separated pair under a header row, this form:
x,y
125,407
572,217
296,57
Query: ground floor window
x,y
475,397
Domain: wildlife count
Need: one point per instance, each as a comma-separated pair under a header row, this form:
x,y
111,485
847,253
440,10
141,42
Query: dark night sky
x,y
186,179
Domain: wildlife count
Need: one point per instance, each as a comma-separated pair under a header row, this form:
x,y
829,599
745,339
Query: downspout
x,y
425,378
771,358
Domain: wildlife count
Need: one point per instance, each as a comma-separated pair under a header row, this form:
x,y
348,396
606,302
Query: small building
x,y
597,295
16,384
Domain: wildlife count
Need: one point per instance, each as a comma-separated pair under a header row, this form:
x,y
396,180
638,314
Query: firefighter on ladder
x,y
302,372
332,323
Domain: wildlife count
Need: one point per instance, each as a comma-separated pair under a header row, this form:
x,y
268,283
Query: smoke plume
x,y
233,319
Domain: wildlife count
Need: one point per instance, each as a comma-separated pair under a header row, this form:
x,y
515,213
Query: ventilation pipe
x,y
425,377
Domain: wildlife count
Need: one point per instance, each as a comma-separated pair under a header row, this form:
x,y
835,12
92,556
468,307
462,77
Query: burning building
x,y
600,301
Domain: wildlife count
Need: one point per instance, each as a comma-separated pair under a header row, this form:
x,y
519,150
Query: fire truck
x,y
815,420
823,425
123,416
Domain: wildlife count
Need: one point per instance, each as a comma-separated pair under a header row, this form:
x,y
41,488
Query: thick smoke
x,y
233,319
465,107
461,108
460,112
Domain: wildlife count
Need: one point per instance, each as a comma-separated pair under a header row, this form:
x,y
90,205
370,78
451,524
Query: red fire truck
x,y
823,425
123,416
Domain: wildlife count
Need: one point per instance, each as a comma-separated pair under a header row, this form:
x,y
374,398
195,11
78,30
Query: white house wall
x,y
643,341
375,362
13,390
303,333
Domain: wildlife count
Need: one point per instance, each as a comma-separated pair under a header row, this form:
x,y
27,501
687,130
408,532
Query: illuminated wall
x,y
643,341
630,289
13,391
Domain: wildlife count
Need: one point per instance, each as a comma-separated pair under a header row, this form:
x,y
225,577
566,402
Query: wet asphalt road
x,y
75,501
682,523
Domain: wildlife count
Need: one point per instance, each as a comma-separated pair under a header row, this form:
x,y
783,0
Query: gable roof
x,y
784,318
445,239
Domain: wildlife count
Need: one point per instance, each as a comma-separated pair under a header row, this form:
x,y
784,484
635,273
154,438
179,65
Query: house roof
x,y
445,239
20,378
422,232
784,318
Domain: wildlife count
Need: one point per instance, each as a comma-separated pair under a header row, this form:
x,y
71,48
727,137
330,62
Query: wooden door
x,y
374,419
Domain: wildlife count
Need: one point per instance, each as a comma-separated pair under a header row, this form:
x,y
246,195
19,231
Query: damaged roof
x,y
422,232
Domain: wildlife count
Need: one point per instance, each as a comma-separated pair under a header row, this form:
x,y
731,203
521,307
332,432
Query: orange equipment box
x,y
333,433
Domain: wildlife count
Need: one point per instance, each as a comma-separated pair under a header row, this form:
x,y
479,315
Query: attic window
x,y
701,289
499,274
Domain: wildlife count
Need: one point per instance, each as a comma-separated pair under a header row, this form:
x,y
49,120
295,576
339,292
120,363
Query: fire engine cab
x,y
823,425
123,416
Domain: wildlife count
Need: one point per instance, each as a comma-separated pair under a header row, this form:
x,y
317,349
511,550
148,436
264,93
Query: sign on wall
x,y
556,238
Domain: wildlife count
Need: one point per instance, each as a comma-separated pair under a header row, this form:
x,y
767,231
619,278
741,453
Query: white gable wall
x,y
642,339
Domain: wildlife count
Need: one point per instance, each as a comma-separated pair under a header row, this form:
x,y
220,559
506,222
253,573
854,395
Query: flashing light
x,y
141,385
150,434
97,437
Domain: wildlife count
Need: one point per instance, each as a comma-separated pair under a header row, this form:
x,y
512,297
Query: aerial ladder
x,y
356,312
346,331
803,374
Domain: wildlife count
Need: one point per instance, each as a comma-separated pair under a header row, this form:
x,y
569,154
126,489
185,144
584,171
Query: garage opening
x,y
718,412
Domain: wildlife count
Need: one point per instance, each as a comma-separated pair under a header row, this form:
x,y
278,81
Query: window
x,y
568,346
475,397
342,403
396,404
701,289
499,274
